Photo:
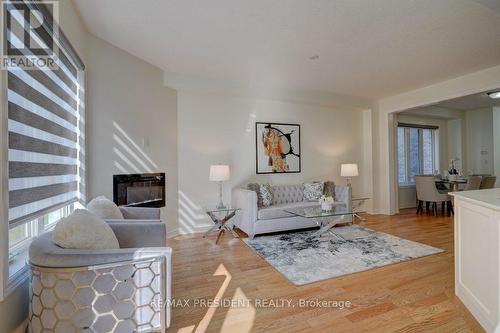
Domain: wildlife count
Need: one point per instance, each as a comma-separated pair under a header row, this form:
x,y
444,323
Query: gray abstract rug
x,y
303,258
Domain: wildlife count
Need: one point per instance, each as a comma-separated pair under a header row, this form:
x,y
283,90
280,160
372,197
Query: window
x,y
417,151
21,235
46,157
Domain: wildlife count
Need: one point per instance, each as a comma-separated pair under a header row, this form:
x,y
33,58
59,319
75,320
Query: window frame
x,y
35,228
434,153
4,180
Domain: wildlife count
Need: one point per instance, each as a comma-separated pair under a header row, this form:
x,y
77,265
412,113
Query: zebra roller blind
x,y
45,124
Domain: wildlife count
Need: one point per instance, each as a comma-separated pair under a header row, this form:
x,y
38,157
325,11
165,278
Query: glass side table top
x,y
316,211
213,209
360,198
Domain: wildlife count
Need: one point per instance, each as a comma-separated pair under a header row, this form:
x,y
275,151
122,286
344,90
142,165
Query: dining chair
x,y
488,182
427,192
473,183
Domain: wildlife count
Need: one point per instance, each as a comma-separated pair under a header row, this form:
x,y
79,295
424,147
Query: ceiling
x,y
454,108
367,49
471,102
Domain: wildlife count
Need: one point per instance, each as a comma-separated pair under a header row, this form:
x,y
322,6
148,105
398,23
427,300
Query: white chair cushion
x,y
84,230
104,208
278,211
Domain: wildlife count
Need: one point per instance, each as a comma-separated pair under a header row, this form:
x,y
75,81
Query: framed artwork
x,y
277,148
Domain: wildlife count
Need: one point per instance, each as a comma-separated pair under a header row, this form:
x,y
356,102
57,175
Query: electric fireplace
x,y
139,190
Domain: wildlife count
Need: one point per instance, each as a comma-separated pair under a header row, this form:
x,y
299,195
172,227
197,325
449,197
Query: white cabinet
x,y
477,254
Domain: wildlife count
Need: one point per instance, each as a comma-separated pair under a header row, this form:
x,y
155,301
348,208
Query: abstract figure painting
x,y
277,147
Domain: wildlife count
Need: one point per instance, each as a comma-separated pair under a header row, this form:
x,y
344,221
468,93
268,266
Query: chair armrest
x,y
131,221
139,234
247,216
44,253
140,213
343,194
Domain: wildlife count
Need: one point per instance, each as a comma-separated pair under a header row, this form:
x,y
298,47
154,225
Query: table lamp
x,y
219,173
349,170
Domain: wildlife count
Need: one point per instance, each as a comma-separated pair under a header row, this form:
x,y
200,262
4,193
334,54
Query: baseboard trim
x,y
176,232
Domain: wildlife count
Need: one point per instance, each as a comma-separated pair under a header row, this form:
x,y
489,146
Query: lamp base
x,y
220,205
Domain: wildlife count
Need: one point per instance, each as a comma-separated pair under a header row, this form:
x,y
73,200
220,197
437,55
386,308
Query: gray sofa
x,y
254,220
119,290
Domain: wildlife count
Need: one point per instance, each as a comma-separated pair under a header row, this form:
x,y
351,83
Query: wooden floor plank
x,y
413,296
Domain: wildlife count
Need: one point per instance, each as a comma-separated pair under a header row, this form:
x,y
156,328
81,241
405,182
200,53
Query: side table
x,y
220,216
356,205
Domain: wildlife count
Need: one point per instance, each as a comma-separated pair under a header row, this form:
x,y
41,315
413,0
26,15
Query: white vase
x,y
326,206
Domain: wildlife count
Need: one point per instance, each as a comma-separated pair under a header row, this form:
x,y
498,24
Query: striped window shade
x,y
46,131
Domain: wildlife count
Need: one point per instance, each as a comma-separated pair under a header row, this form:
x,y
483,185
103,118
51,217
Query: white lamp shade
x,y
219,173
349,170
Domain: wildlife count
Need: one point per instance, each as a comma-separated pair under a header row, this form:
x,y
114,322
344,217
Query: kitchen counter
x,y
477,254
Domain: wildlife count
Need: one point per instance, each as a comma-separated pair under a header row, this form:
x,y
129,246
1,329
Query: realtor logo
x,y
29,35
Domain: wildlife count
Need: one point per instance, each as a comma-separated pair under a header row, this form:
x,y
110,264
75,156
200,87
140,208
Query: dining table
x,y
450,184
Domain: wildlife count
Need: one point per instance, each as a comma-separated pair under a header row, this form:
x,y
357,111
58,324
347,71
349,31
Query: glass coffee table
x,y
325,219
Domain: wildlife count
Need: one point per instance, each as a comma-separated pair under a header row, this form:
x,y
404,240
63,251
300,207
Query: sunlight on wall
x,y
191,216
128,139
128,162
129,157
120,167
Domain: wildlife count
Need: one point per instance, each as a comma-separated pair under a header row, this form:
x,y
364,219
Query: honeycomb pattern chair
x,y
119,290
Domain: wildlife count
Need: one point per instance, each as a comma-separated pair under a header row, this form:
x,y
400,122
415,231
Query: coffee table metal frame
x,y
326,220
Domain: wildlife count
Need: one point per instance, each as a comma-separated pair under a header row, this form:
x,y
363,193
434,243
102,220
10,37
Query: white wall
x,y
479,124
455,143
132,122
220,129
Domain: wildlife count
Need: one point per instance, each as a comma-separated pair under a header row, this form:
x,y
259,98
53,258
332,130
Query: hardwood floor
x,y
414,296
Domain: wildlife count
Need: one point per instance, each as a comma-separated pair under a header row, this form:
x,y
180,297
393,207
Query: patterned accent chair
x,y
119,290
254,220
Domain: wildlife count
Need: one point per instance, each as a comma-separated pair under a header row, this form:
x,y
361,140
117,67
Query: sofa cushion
x,y
329,189
313,191
278,211
266,195
284,194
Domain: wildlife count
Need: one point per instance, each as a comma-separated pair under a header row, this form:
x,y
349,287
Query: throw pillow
x,y
313,191
84,230
329,189
104,208
266,194
256,188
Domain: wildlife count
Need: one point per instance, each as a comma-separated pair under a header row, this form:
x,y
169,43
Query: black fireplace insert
x,y
139,190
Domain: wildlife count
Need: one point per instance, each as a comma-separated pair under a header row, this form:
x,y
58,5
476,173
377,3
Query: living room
x,y
268,131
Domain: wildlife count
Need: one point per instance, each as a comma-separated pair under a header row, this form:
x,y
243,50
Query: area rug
x,y
304,258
